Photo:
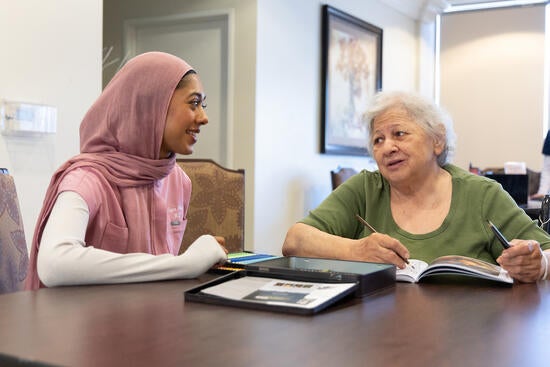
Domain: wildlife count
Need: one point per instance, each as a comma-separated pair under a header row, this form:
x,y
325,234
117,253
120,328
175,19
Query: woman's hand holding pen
x,y
393,249
381,248
523,260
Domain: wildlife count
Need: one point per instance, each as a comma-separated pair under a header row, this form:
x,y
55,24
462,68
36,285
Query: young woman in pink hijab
x,y
116,212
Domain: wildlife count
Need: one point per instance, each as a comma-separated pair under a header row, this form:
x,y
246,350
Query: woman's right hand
x,y
380,248
221,241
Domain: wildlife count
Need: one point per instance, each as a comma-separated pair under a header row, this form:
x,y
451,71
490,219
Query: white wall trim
x,y
230,13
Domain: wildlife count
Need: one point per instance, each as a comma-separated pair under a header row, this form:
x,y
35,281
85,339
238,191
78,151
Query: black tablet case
x,y
368,278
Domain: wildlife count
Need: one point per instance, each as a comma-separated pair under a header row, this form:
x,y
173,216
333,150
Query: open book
x,y
453,264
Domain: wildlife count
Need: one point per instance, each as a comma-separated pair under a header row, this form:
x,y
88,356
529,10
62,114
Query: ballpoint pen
x,y
366,224
503,241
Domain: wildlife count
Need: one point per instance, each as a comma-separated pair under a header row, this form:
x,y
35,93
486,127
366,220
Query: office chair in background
x,y
544,216
217,203
14,257
340,175
533,177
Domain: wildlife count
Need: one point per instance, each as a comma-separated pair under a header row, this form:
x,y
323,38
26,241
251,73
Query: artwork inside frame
x,y
351,75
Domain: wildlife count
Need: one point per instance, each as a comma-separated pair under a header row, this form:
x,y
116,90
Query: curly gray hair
x,y
432,119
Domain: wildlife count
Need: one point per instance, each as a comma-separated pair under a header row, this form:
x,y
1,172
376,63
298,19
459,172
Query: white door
x,y
203,41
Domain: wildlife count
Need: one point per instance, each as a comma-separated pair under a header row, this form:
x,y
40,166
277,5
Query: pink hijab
x,y
118,171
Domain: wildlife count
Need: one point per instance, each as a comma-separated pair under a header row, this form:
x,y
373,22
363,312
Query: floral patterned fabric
x,y
217,203
14,258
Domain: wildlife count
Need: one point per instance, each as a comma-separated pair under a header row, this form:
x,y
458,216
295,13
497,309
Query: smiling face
x,y
186,114
402,149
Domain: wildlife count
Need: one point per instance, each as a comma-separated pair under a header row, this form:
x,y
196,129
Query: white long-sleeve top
x,y
64,259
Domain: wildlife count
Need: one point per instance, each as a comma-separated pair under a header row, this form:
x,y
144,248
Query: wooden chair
x,y
534,181
340,175
217,203
14,257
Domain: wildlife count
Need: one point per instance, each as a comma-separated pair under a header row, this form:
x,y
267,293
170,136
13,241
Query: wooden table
x,y
431,324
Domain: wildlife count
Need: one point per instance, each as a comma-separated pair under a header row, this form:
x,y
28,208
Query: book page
x,y
278,291
468,266
411,272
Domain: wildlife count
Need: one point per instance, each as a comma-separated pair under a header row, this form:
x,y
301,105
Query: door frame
x,y
132,26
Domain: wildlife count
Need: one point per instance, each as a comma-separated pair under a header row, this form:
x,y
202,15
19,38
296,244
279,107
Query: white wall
x,y
492,67
51,54
291,176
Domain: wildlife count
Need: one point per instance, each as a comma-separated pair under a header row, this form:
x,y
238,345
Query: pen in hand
x,y
366,224
503,241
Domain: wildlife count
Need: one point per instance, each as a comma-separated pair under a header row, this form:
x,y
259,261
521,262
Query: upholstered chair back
x,y
13,248
217,203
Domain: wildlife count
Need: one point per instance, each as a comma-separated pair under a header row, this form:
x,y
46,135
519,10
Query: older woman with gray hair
x,y
421,206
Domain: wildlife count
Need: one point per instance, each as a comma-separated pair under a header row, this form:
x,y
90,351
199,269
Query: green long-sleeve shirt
x,y
464,231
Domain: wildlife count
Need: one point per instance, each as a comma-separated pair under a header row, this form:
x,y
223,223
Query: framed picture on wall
x,y
351,65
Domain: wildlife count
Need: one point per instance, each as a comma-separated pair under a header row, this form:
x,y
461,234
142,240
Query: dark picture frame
x,y
351,74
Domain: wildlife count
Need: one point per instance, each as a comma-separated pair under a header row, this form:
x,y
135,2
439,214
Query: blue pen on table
x,y
504,242
366,224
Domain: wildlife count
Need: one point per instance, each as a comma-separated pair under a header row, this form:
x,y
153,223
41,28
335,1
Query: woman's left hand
x,y
523,260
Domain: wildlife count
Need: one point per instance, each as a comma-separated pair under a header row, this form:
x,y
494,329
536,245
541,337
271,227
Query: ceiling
x,y
462,2
418,9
